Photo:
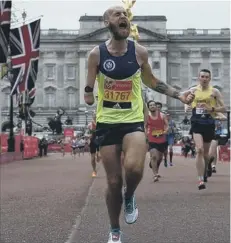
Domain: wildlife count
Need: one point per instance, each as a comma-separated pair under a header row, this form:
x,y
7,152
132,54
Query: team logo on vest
x,y
109,65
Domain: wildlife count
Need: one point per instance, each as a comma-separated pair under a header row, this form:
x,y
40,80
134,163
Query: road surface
x,y
55,200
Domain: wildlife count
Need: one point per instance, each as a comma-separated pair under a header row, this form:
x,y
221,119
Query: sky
x,y
180,14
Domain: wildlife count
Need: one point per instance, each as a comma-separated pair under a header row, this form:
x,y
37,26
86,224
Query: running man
x,y
156,127
74,146
94,148
214,144
81,143
159,107
61,141
120,65
208,101
170,140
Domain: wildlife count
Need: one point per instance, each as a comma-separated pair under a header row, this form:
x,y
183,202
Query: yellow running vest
x,y
203,97
126,91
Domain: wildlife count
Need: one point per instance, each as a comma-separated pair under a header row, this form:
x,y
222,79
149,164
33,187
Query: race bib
x,y
200,111
157,133
118,91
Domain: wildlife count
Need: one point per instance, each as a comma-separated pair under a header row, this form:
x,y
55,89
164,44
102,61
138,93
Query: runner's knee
x,y
153,157
134,168
115,182
200,150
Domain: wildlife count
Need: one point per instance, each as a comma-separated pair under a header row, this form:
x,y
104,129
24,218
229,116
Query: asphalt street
x,y
55,200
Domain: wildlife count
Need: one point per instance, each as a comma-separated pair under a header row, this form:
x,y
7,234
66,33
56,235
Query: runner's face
x,y
118,24
158,107
204,79
152,107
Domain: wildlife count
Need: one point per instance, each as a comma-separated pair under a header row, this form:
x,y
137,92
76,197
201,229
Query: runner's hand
x,y
187,97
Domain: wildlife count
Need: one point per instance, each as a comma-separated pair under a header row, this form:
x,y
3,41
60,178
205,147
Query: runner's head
x,y
168,116
159,105
151,106
116,20
204,77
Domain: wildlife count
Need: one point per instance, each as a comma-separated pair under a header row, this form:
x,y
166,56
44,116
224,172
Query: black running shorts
x,y
110,134
161,147
207,131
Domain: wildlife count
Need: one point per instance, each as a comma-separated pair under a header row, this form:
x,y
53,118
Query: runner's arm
x,y
93,61
166,127
146,113
155,84
220,103
146,123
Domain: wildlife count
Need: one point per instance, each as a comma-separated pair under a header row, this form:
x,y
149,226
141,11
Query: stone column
x,y
155,66
82,75
205,56
185,69
226,76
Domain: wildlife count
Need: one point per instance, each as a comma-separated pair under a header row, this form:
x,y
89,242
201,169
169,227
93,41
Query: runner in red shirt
x,y
156,129
94,148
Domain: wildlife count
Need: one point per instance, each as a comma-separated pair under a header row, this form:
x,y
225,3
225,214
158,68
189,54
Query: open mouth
x,y
123,25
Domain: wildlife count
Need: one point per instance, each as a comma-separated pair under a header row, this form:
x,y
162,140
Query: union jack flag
x,y
24,47
5,17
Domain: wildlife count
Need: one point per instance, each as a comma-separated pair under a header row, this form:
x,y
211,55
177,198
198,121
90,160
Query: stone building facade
x,y
176,56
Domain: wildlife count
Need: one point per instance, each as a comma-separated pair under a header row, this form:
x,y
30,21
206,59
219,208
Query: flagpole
x,y
24,106
11,140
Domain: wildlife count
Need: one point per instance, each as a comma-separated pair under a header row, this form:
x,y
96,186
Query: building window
x,y
195,70
70,71
216,70
50,100
50,71
175,71
39,98
71,100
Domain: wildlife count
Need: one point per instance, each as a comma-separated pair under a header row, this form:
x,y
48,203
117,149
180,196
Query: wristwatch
x,y
88,89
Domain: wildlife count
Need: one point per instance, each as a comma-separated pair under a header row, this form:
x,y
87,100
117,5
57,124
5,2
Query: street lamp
x,y
11,140
24,15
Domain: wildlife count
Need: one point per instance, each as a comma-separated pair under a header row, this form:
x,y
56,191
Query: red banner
x,y
4,142
30,147
224,153
54,147
68,133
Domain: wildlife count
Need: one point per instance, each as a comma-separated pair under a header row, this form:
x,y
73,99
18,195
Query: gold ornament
x,y
128,4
